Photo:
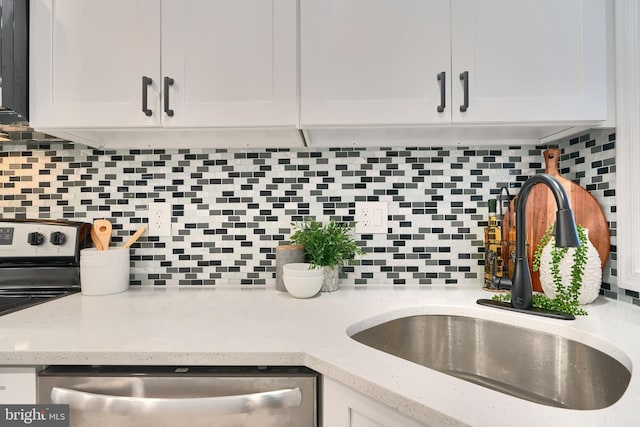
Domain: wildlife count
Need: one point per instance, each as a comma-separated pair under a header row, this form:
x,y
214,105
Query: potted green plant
x,y
330,246
570,277
573,273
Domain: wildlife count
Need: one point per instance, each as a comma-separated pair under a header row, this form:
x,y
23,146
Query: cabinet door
x,y
529,61
88,58
17,385
627,14
369,63
345,407
233,63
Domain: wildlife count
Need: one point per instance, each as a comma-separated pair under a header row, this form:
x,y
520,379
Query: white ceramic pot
x,y
104,272
591,279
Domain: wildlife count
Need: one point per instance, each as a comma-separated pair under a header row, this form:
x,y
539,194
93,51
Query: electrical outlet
x,y
160,219
371,217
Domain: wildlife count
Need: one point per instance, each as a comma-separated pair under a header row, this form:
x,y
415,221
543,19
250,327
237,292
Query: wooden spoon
x,y
135,237
95,240
102,229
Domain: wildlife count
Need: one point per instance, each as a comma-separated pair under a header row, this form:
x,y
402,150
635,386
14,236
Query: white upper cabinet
x,y
529,61
109,64
233,63
377,63
102,71
365,62
87,60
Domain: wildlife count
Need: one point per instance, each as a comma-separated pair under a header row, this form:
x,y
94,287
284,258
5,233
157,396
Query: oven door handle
x,y
210,406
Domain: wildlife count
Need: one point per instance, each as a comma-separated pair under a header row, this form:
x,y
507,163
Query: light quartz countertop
x,y
261,326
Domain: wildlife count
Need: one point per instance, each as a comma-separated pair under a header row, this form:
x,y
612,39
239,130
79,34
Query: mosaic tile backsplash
x,y
230,209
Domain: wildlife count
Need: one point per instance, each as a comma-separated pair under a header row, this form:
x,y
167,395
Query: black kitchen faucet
x,y
566,235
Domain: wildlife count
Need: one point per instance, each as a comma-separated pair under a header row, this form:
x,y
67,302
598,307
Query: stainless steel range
x,y
39,260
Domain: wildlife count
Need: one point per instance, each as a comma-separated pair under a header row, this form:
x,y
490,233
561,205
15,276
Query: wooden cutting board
x,y
541,211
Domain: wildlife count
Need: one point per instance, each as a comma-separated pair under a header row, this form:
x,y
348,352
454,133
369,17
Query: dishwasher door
x,y
182,396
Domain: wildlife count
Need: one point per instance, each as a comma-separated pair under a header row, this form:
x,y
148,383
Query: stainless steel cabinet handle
x,y
146,82
210,406
168,81
443,83
465,82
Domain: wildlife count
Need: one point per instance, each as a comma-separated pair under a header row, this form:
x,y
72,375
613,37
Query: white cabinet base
x,y
345,407
17,385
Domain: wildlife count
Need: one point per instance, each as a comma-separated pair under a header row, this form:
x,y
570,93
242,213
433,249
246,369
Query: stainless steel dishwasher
x,y
182,396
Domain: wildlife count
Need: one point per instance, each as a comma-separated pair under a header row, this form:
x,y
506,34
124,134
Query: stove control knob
x,y
57,238
35,238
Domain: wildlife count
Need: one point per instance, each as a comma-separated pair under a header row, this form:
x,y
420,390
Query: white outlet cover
x,y
160,219
371,218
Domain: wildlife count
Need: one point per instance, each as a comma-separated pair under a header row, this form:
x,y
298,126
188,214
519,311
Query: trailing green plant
x,y
566,299
328,245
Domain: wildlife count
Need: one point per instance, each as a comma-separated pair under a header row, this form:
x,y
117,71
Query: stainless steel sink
x,y
524,363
